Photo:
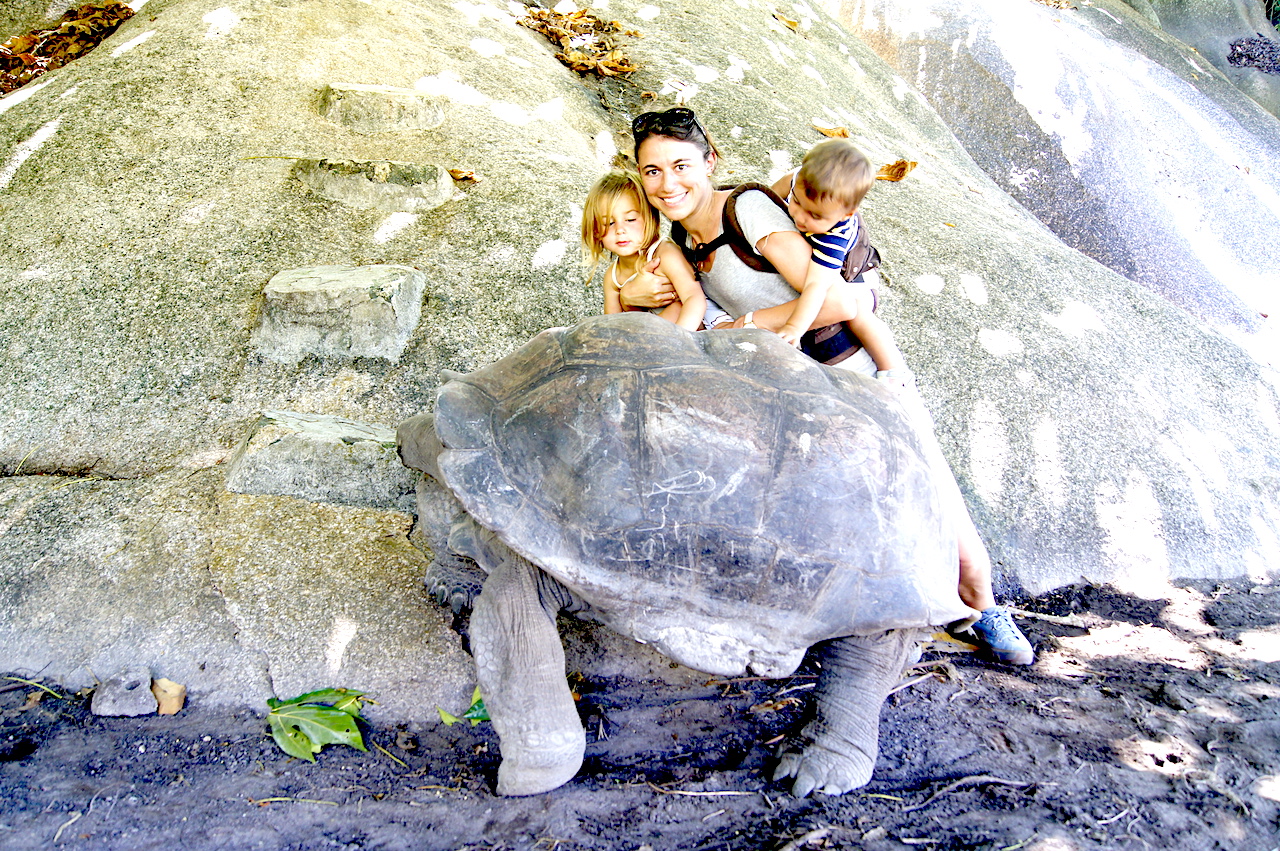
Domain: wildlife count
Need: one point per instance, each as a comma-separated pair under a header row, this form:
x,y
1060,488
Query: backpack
x,y
829,344
861,257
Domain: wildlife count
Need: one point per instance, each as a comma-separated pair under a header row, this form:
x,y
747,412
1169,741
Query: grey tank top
x,y
730,282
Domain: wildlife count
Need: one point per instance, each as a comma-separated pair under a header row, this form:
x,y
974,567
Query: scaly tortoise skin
x,y
717,495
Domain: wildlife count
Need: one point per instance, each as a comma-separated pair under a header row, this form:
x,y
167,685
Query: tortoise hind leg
x,y
857,674
520,668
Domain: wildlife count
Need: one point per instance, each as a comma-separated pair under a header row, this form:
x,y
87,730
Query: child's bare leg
x,y
975,568
671,312
876,338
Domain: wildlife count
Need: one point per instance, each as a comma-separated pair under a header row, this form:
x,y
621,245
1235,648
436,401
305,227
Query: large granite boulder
x,y
150,191
1127,143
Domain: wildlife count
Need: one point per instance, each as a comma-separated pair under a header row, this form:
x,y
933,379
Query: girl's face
x,y
676,176
624,226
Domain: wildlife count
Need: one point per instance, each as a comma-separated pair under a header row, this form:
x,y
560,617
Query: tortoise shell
x,y
717,494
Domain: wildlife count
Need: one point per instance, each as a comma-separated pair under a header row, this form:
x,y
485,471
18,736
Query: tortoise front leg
x,y
520,668
857,674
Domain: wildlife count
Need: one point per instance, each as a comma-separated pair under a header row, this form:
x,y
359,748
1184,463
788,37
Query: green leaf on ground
x,y
475,712
303,725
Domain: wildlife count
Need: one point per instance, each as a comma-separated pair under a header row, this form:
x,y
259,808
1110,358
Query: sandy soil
x,y
1143,724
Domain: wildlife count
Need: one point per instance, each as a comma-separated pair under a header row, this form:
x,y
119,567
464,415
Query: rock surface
x,y
149,195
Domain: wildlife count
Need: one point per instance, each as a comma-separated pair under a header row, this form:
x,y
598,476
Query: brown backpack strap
x,y
862,254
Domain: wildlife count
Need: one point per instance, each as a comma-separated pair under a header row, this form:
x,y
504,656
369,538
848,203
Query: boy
x,y
822,198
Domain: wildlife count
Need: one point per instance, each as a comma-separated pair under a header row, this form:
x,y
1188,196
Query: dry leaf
x,y
794,26
464,176
832,132
33,700
25,57
587,44
895,171
170,696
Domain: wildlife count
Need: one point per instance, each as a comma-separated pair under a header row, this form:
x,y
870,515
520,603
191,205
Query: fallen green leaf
x,y
303,725
475,713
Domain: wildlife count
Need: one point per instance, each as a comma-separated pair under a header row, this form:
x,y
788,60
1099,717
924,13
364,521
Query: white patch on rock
x,y
606,147
549,253
392,226
705,74
805,443
930,284
735,132
566,7
973,288
344,630
1191,453
1076,319
1133,534
857,68
9,101
448,84
71,92
25,149
196,213
811,72
487,47
35,273
1019,178
988,450
774,51
779,164
648,12
748,347
1049,472
510,113
132,43
476,12
683,92
734,73
135,5
552,110
999,343
901,88
220,21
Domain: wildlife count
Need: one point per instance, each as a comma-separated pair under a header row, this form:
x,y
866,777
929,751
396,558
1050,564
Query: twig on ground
x,y
815,835
75,817
19,681
913,681
1064,620
401,762
972,780
727,793
262,802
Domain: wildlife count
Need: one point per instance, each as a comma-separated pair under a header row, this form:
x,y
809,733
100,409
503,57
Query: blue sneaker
x,y
999,634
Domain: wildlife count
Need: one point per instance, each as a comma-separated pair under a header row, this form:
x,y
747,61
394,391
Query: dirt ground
x,y
1143,724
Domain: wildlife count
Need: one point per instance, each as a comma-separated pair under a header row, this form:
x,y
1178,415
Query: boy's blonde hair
x,y
835,169
596,209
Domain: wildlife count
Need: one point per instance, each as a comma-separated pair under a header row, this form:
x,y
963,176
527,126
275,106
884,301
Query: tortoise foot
x,y
454,582
820,769
536,764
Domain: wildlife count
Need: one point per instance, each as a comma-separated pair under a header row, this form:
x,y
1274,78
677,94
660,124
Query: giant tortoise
x,y
717,495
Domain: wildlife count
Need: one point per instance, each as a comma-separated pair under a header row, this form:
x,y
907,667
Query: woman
x,y
676,160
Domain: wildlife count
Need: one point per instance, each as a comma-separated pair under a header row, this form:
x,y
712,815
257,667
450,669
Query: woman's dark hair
x,y
677,123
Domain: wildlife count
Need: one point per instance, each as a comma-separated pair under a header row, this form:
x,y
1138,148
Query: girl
x,y
618,220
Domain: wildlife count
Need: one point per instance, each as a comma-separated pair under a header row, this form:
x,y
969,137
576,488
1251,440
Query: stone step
x,y
380,109
340,311
323,458
396,187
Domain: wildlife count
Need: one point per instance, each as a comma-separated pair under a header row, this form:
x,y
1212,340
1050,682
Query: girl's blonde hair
x,y
596,209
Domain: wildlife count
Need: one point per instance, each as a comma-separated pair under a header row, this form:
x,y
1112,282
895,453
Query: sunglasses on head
x,y
678,121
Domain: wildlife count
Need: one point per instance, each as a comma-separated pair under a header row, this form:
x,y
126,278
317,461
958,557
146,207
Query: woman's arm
x,y
790,254
693,302
647,289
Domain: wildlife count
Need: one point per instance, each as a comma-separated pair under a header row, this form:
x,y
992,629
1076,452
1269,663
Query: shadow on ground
x,y
1143,724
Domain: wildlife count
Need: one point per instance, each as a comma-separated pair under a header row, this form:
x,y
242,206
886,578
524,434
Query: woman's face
x,y
676,176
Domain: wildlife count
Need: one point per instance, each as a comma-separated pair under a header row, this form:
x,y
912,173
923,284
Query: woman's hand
x,y
648,289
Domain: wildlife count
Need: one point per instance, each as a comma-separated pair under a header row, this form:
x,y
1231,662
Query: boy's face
x,y
813,216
